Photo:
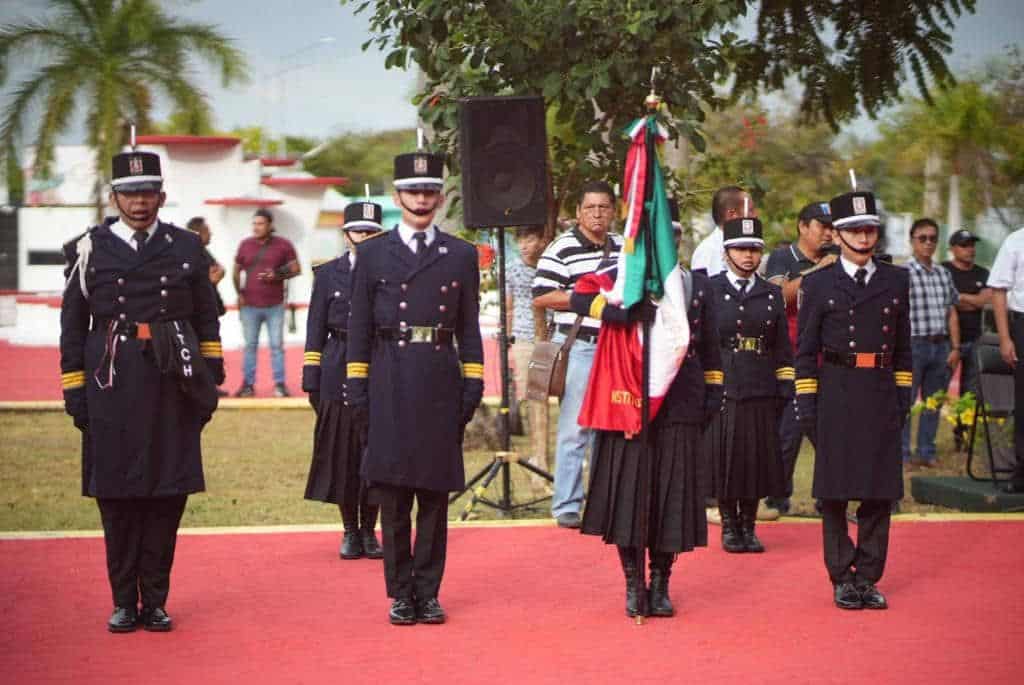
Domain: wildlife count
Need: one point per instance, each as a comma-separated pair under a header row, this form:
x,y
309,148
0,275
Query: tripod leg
x,y
469,484
479,492
537,470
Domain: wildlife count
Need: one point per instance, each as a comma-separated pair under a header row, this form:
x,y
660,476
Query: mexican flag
x,y
647,267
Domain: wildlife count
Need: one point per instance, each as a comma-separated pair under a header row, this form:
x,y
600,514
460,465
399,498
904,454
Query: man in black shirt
x,y
969,279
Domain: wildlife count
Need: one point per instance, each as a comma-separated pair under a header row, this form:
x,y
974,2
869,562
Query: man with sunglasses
x,y
853,378
935,335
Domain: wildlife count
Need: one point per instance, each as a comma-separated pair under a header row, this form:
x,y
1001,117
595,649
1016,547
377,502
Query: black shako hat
x,y
135,172
363,216
851,210
746,232
419,171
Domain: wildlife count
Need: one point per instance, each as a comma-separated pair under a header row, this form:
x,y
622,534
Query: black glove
x,y
903,401
643,311
714,402
472,394
76,407
784,393
361,423
807,413
216,367
314,400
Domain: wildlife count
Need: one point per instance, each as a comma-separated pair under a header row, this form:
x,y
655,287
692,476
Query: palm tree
x,y
113,57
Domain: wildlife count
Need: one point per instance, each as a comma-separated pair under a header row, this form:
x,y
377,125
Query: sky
x,y
309,76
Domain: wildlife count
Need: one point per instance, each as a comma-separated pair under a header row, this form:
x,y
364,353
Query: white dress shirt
x,y
709,254
126,232
735,279
851,269
408,235
1008,270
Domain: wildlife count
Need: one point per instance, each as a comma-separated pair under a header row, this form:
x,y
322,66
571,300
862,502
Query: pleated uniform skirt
x,y
742,445
337,450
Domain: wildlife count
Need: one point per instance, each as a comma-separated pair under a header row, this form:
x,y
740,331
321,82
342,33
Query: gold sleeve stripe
x,y
904,379
597,306
311,359
72,380
357,370
473,370
785,373
211,348
806,386
714,377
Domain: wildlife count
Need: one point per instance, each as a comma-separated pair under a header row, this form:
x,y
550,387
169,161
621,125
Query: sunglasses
x,y
927,238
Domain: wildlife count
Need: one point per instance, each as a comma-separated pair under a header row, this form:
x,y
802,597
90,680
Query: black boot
x,y
748,517
661,569
367,523
627,555
732,539
351,541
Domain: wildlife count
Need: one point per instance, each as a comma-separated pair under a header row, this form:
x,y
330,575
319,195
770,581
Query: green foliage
x,y
111,58
362,158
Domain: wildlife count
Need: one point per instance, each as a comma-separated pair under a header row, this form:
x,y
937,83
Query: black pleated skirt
x,y
334,473
677,521
742,444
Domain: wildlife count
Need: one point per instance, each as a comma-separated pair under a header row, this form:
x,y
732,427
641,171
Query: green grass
x,y
256,463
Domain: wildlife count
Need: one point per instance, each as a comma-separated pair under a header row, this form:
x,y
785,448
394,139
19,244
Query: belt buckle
x,y
142,331
421,334
748,344
864,360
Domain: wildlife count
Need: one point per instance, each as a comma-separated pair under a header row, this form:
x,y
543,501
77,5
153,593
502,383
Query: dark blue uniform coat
x,y
323,370
142,438
416,392
859,417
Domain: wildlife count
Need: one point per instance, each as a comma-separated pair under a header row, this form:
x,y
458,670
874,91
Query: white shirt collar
x,y
406,233
851,269
351,257
735,279
125,232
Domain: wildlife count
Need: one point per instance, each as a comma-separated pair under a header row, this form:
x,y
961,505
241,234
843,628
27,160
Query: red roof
x,y
305,181
277,161
243,201
187,140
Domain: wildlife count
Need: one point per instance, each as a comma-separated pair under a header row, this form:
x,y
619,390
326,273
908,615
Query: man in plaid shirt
x,y
934,335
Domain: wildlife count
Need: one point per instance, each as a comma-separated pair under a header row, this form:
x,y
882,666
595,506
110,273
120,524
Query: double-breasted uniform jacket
x,y
757,357
142,434
323,369
417,384
859,413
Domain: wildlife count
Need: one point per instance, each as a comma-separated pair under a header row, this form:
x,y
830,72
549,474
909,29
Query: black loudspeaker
x,y
504,161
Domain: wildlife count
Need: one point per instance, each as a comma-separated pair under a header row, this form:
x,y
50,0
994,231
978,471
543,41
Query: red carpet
x,y
529,605
31,373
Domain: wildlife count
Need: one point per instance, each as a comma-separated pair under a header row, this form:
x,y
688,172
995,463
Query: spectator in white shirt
x,y
1007,283
727,203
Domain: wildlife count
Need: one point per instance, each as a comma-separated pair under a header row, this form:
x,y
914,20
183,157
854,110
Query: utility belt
x,y
757,345
338,334
588,335
417,334
126,329
859,360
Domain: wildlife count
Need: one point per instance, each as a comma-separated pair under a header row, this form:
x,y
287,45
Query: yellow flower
x,y
931,404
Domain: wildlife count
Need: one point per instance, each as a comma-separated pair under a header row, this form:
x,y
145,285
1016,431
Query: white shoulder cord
x,y
84,249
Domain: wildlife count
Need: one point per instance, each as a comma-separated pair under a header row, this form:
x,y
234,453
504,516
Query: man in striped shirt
x,y
576,252
934,334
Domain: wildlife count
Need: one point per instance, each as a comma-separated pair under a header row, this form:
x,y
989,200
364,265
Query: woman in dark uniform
x,y
743,441
677,519
337,446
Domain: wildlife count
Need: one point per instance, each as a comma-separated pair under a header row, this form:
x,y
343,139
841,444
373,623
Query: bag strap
x,y
256,260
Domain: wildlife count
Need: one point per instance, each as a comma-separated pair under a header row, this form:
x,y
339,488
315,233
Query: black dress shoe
x,y
871,598
402,613
847,597
429,611
371,548
569,519
351,545
156,620
123,620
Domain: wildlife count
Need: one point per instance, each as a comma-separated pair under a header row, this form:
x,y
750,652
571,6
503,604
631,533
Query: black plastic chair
x,y
993,400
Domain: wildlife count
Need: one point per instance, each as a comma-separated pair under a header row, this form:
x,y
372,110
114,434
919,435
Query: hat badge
x,y
860,205
367,211
135,165
419,164
748,227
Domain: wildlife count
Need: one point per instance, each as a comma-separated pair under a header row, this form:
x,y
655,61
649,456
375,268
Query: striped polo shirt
x,y
566,259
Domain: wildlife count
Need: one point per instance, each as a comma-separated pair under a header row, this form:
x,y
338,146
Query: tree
x,y
592,61
363,158
114,57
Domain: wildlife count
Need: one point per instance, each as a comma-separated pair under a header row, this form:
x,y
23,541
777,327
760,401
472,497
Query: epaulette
x,y
71,244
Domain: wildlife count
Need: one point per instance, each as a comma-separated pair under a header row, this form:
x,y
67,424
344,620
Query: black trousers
x,y
412,573
140,536
790,437
864,562
1017,333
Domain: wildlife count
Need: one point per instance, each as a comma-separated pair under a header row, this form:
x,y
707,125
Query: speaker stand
x,y
504,458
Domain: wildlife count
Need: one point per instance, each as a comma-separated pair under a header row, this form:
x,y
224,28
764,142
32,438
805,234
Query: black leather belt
x,y
859,360
586,334
339,333
756,345
938,338
417,334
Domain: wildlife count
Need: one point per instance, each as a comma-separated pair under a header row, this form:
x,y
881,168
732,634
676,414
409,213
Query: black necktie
x,y
861,277
743,285
421,246
140,239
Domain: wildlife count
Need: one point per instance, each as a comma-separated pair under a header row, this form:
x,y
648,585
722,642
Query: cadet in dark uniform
x,y
138,313
416,295
677,520
337,444
854,316
757,359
